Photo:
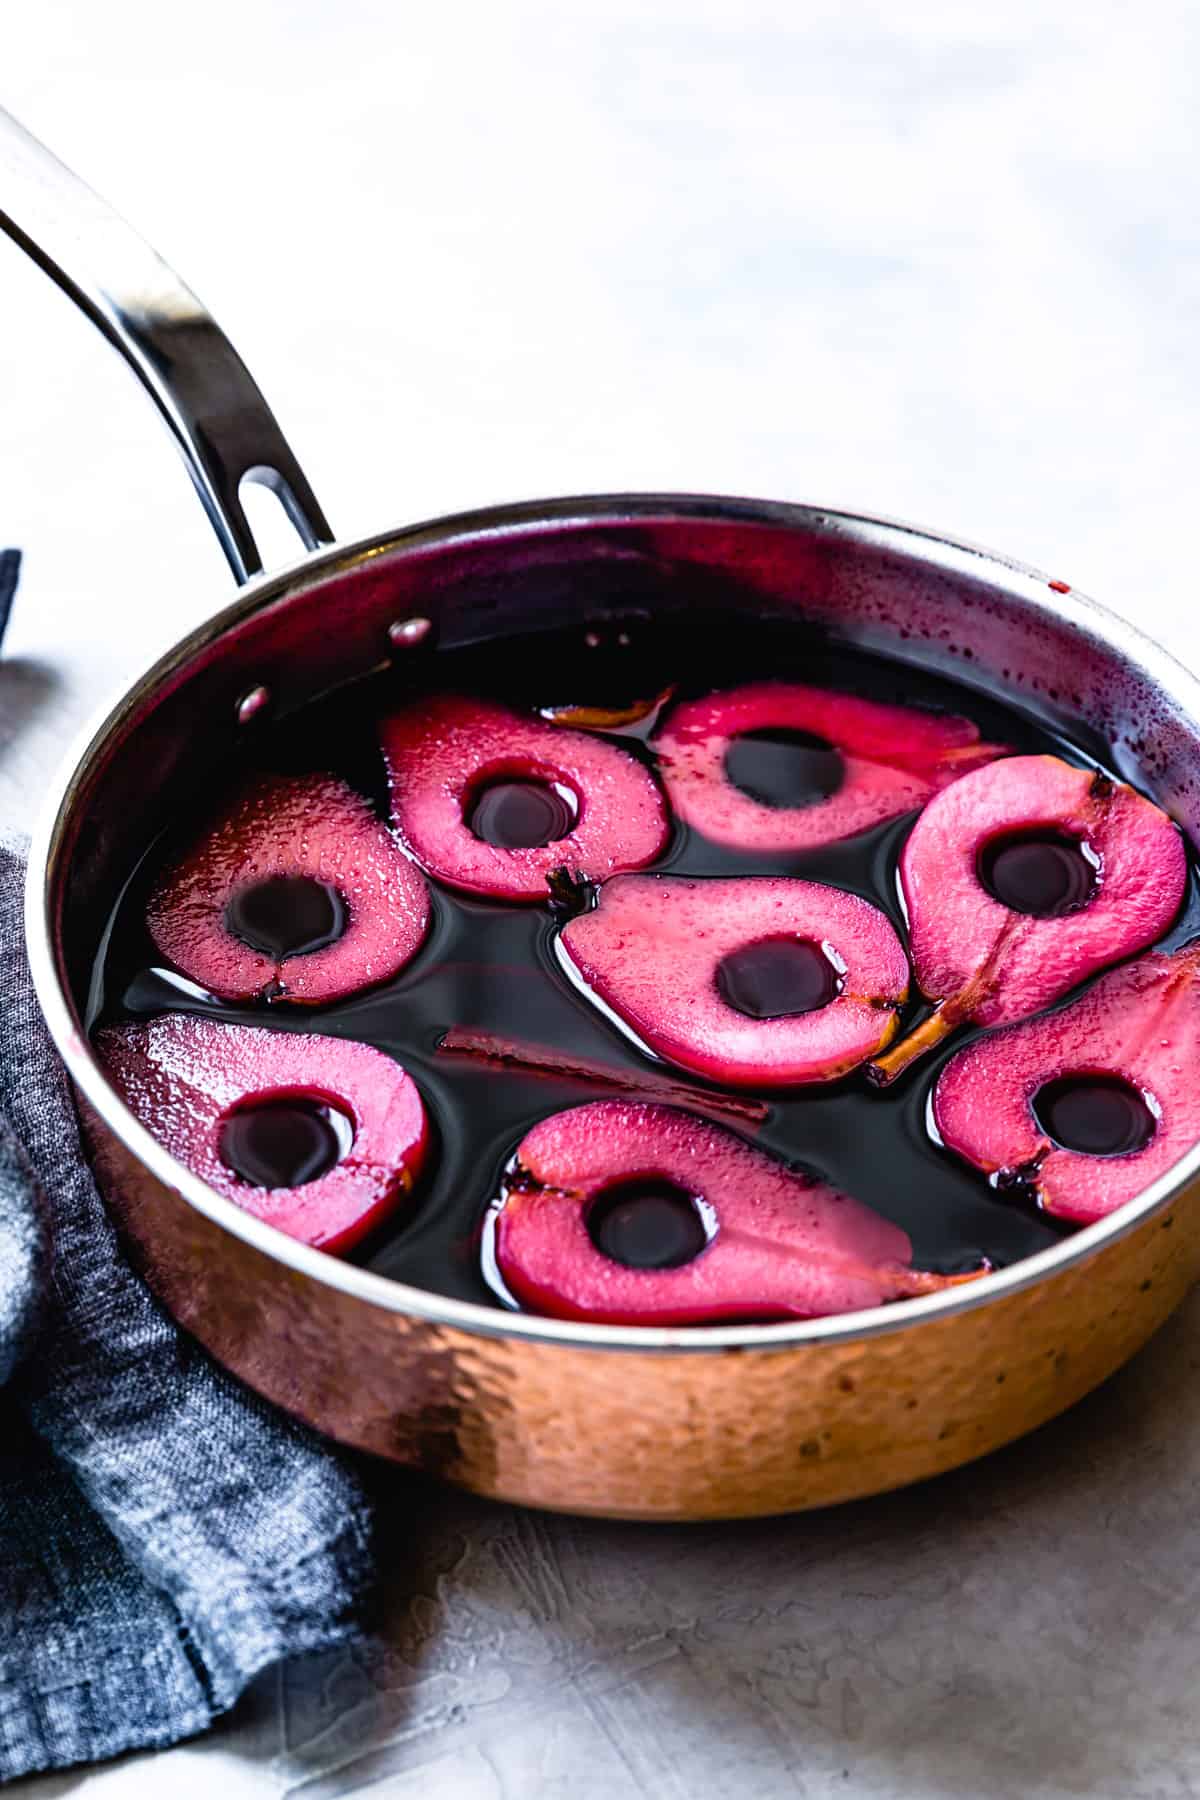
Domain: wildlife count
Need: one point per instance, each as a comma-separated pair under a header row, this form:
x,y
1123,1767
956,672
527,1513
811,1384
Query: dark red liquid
x,y
289,915
490,967
281,1143
782,768
647,1225
778,978
521,815
620,667
1097,1114
1045,873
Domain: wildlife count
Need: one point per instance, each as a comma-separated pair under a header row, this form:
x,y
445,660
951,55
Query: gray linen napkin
x,y
164,1534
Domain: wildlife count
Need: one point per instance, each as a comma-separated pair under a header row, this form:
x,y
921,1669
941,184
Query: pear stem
x,y
883,1070
541,1059
917,1282
601,718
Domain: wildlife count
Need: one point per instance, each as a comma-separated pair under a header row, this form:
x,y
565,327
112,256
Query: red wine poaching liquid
x,y
784,768
1100,1115
647,1224
1041,873
288,915
491,968
284,1142
778,978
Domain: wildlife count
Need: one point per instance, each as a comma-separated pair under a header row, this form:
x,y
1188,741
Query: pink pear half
x,y
652,947
184,1076
978,960
442,751
1139,1023
782,1244
291,825
894,757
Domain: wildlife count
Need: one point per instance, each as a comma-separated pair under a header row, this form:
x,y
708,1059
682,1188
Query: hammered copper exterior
x,y
657,1435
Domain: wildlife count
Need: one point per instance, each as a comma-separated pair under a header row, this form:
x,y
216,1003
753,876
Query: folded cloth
x,y
164,1534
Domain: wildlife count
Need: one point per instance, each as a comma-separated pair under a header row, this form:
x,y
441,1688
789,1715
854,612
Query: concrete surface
x,y
940,262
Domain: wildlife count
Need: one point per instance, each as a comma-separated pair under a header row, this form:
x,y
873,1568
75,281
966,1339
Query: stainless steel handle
x,y
219,419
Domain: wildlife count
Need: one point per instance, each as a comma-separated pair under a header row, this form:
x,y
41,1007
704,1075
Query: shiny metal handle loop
x,y
219,419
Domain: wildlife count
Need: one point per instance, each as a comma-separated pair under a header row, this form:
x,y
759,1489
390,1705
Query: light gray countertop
x,y
924,262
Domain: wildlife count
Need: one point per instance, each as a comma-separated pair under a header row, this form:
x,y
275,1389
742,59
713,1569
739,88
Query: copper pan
x,y
706,1423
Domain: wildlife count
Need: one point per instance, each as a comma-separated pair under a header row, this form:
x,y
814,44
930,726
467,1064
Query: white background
x,y
935,260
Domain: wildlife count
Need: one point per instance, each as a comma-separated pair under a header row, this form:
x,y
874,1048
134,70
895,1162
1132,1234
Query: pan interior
x,y
878,588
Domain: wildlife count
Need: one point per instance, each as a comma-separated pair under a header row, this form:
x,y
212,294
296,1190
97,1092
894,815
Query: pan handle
x,y
218,417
